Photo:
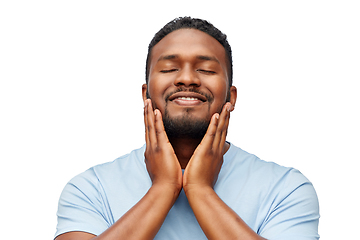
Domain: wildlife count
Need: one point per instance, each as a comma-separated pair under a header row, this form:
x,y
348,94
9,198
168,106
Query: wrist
x,y
166,189
198,190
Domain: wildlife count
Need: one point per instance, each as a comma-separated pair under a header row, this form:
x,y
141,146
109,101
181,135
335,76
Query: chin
x,y
185,126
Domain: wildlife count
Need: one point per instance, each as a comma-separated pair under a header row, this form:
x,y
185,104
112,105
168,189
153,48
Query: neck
x,y
184,149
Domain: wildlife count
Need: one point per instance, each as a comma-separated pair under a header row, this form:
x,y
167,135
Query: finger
x,y
219,140
211,131
159,128
150,118
225,127
146,122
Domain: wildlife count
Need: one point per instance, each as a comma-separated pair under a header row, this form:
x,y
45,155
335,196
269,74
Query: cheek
x,y
220,93
219,90
154,87
156,90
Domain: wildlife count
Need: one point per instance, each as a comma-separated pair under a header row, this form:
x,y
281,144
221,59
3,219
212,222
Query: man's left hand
x,y
205,164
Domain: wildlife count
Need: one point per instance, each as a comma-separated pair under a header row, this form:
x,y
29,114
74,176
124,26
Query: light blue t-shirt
x,y
275,201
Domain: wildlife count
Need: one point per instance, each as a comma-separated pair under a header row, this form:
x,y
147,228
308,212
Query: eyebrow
x,y
207,58
168,57
199,57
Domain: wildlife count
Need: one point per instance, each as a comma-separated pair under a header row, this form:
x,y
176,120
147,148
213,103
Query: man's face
x,y
188,79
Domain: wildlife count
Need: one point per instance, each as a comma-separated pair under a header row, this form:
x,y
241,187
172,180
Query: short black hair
x,y
191,23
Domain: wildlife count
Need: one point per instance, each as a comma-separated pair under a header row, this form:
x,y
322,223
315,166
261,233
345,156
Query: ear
x,y
144,90
233,96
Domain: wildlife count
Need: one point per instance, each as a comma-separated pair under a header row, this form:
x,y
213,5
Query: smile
x,y
187,99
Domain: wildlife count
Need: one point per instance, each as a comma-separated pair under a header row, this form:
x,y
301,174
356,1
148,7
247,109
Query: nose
x,y
187,77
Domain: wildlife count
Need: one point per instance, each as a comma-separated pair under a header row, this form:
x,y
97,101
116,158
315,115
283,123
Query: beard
x,y
185,126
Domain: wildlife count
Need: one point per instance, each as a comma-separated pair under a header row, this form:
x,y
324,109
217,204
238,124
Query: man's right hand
x,y
161,161
166,175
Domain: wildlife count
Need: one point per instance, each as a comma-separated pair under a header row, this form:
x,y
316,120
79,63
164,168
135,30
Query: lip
x,y
197,96
193,99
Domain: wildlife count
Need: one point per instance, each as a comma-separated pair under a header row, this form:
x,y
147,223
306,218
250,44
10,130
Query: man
x,y
188,182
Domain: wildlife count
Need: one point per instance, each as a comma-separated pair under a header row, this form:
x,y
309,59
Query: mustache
x,y
183,89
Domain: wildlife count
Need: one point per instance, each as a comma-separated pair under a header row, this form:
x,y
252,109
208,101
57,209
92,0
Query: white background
x,y
70,95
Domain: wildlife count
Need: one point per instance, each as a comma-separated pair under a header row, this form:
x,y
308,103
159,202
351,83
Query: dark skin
x,y
185,58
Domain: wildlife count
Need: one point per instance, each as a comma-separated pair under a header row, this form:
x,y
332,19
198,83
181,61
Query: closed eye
x,y
168,71
206,71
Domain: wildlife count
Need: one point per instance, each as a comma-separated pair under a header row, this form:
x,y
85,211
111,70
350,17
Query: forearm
x,y
144,220
217,220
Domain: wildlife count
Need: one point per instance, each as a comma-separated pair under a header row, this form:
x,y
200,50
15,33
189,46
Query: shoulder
x,y
91,182
85,202
82,198
131,161
268,181
249,164
286,200
96,177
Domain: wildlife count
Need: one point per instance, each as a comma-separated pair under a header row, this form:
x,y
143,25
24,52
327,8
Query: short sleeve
x,y
81,206
294,213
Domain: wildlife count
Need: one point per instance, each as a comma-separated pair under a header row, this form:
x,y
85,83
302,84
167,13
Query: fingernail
x,y
228,108
155,112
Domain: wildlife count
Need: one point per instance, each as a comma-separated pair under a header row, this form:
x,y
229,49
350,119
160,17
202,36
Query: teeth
x,y
187,98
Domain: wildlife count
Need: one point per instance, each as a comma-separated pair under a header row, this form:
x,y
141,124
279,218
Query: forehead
x,y
188,43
